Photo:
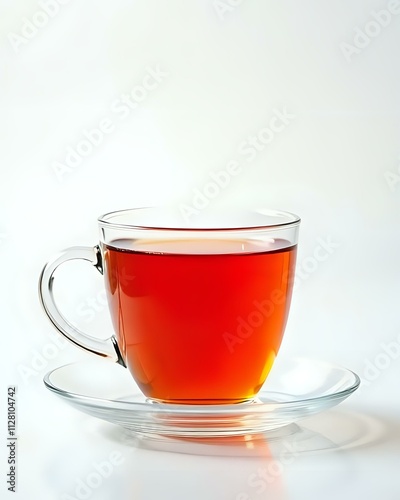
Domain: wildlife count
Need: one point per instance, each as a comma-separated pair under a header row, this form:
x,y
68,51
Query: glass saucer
x,y
295,389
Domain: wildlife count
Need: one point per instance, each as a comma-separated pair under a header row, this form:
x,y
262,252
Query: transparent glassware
x,y
240,230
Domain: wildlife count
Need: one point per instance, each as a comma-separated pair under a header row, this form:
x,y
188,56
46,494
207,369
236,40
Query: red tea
x,y
199,322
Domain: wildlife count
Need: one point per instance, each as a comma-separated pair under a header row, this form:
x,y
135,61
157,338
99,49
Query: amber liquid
x,y
204,326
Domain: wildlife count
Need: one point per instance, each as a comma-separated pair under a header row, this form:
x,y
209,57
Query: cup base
x,y
202,402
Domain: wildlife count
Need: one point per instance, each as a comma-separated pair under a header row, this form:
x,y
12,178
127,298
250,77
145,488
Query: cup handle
x,y
107,348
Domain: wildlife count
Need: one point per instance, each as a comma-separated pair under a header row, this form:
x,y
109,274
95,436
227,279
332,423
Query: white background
x,y
225,68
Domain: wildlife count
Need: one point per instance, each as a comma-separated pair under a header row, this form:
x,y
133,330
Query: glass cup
x,y
199,309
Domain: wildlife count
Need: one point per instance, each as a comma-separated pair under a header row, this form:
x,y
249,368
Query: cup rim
x,y
284,220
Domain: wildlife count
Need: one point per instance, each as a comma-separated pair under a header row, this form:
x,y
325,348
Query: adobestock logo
x,y
249,149
220,180
252,146
122,107
274,469
372,29
86,487
246,326
265,308
40,358
90,139
310,264
31,27
89,308
373,368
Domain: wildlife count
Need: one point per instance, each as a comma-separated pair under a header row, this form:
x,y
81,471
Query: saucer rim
x,y
256,405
